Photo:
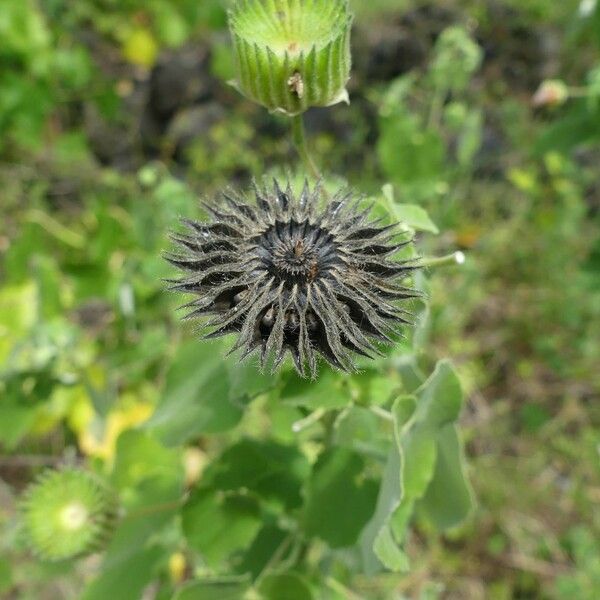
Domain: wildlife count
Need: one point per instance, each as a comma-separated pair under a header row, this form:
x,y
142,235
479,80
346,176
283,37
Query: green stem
x,y
155,508
56,229
386,415
299,137
311,419
341,589
456,258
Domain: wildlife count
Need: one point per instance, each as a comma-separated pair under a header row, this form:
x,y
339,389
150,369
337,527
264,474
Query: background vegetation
x,y
115,117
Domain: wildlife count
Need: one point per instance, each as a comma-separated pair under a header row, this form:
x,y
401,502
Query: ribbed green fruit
x,y
67,513
292,54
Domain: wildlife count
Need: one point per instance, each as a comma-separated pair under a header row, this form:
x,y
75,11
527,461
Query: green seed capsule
x,y
67,513
292,54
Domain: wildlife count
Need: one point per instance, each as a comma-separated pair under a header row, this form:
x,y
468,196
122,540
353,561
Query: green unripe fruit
x,y
292,54
67,513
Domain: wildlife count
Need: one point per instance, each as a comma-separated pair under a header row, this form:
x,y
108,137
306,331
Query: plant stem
x,y
311,419
299,137
456,258
386,415
155,508
341,589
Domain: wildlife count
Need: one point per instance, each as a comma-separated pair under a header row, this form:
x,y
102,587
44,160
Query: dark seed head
x,y
287,275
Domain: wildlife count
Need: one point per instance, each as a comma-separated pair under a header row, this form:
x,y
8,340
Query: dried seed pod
x,y
292,54
289,274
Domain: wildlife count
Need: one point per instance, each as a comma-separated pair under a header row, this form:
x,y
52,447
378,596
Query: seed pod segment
x,y
295,274
67,513
292,54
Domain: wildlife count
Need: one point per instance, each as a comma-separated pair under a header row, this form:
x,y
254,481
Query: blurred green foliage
x,y
232,482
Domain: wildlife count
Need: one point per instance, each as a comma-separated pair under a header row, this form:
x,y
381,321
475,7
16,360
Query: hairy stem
x,y
456,258
299,137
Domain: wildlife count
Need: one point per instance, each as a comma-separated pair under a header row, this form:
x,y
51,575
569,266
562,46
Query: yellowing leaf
x,y
523,180
100,442
140,48
177,565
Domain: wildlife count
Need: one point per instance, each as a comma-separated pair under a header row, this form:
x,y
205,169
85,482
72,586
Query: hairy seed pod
x,y
67,513
292,54
286,274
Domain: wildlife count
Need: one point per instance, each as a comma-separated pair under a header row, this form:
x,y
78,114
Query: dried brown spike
x,y
288,275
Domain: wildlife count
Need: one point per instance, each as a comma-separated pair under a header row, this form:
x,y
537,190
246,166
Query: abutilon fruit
x,y
67,513
291,275
292,54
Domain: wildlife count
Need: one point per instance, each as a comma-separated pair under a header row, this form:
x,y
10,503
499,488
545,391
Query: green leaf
x,y
371,387
224,589
149,507
388,501
440,397
401,518
407,151
449,498
217,525
150,481
420,452
425,451
271,470
125,579
246,380
415,217
412,216
139,456
150,491
197,397
397,94
388,552
339,502
285,586
403,410
25,34
424,469
580,125
171,27
360,430
456,58
270,540
329,392
15,422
